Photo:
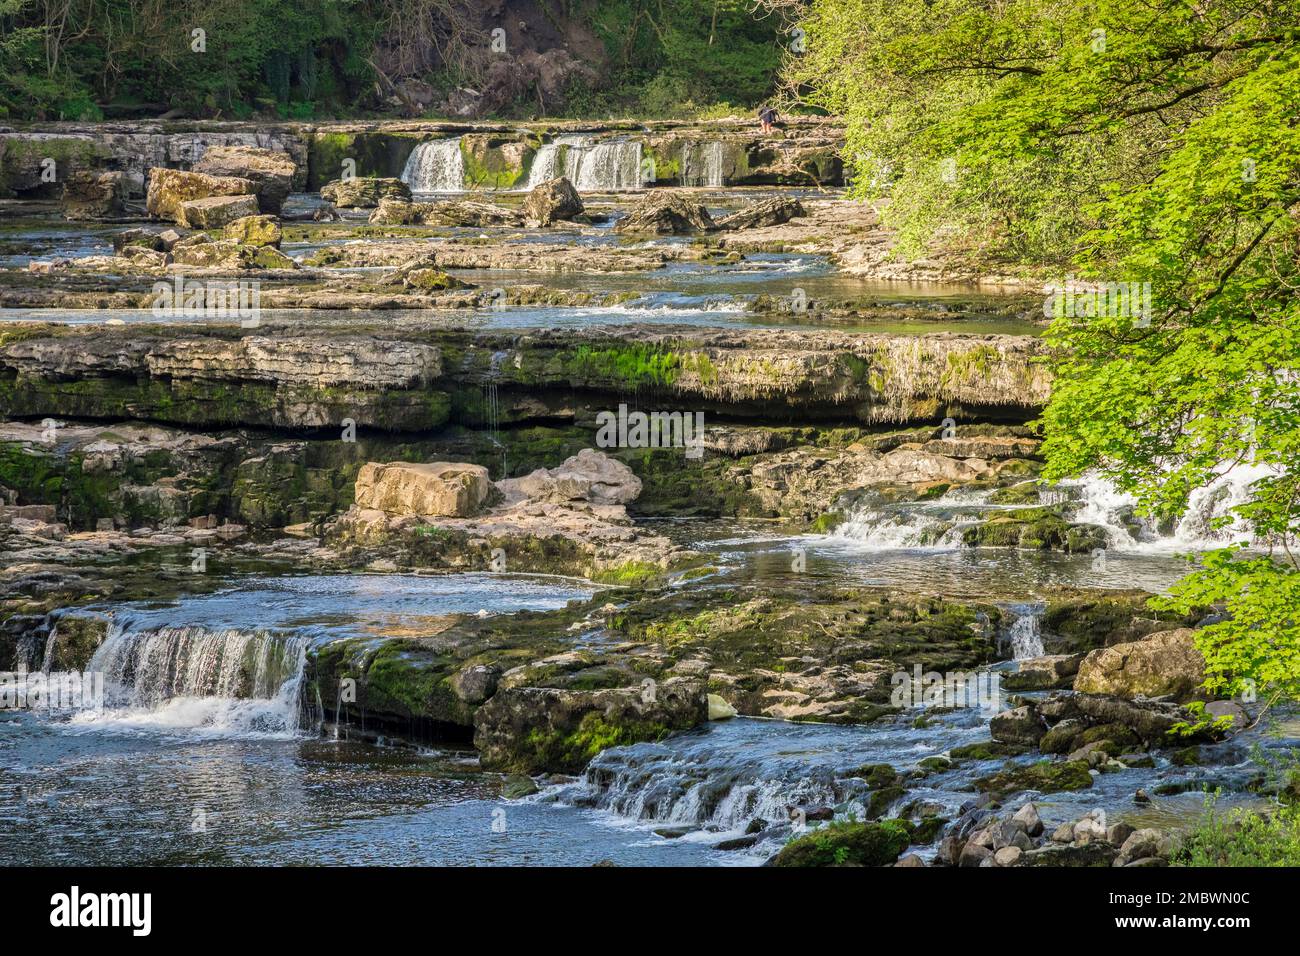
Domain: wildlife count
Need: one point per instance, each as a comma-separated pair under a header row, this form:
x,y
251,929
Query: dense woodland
x,y
90,59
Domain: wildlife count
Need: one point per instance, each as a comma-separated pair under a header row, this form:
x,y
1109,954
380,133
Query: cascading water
x,y
436,166
1200,527
697,786
227,680
589,165
702,164
936,524
560,158
1025,634
491,398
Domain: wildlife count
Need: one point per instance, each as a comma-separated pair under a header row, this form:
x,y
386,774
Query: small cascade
x,y
436,166
491,400
1025,633
604,167
243,681
1201,527
935,524
702,164
718,790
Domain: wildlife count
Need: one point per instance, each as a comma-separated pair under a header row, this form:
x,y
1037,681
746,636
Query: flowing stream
x,y
206,752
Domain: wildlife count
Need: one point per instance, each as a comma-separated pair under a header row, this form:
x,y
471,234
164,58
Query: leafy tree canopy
x,y
1130,142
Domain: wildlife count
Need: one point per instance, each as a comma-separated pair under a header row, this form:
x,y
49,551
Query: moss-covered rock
x,y
255,231
74,640
1082,619
1034,529
535,730
847,844
1044,777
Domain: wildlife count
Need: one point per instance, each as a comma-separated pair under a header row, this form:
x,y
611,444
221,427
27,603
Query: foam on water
x,y
436,166
1209,522
196,679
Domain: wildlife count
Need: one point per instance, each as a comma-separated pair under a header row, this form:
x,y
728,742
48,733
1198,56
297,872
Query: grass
x,y
1241,837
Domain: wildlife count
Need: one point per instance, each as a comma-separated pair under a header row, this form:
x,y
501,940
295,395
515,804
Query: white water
x,y
560,158
590,166
1208,522
607,167
1088,500
1026,636
223,681
935,524
436,166
702,164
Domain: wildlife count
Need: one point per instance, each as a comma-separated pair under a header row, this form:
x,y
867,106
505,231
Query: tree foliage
x,y
72,59
1142,142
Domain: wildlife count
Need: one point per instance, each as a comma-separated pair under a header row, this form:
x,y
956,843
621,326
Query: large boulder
x,y
1019,726
270,171
847,844
254,231
170,189
589,476
664,213
216,212
463,212
447,489
363,192
1049,672
229,254
90,195
553,200
395,211
1166,663
1144,844
547,729
766,212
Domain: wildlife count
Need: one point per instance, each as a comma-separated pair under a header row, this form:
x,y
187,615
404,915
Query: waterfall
x,y
702,164
720,790
1025,633
934,524
436,166
589,165
1097,501
242,681
560,158
491,399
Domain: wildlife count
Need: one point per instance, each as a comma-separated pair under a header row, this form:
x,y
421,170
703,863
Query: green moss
x,y
198,402
881,800
1044,777
631,574
380,155
847,844
570,751
487,164
19,157
827,522
629,367
1034,529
